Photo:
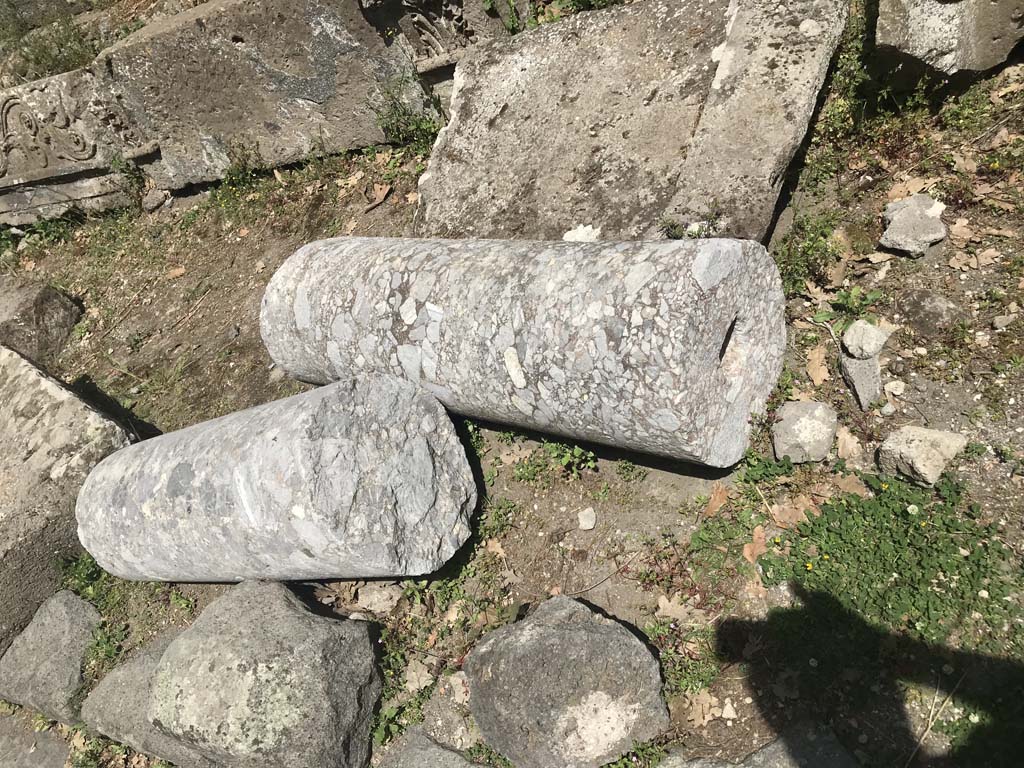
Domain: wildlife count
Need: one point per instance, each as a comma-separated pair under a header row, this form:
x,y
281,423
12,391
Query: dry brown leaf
x,y
380,194
719,496
703,708
962,164
998,96
963,262
817,367
175,273
791,513
1010,234
417,676
412,197
852,484
988,257
1001,139
756,547
351,226
961,231
847,445
494,547
819,296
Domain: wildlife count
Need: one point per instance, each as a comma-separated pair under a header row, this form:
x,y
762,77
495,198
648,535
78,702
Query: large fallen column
x,y
355,480
662,347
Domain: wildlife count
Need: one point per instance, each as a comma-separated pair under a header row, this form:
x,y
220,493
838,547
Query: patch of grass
x,y
629,472
975,450
647,755
481,754
61,47
401,124
85,578
105,650
571,459
687,654
807,252
905,559
497,518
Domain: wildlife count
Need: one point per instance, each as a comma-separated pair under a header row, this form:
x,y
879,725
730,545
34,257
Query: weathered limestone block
x,y
600,125
951,35
23,747
42,668
259,681
663,347
35,319
49,440
117,707
363,479
415,750
565,687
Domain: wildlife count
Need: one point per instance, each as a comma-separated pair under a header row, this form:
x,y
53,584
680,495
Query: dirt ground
x,y
170,337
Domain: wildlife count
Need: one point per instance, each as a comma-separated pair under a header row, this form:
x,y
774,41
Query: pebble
x,y
587,519
1003,321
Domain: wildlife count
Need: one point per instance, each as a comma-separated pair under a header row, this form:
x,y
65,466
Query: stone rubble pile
x,y
660,347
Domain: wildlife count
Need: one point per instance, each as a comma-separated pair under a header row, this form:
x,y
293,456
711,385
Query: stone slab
x,y
35,318
49,441
805,746
42,668
951,35
604,123
356,480
664,347
415,750
22,747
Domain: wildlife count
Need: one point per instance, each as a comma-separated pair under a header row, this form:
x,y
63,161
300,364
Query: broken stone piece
x,y
117,707
49,440
446,716
356,480
565,687
661,347
918,453
258,680
951,36
804,431
35,319
864,340
702,136
42,668
864,377
929,313
913,225
379,598
415,750
587,519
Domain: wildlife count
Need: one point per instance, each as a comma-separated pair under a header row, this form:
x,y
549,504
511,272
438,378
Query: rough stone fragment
x,y
913,225
415,750
446,716
117,708
42,668
804,431
951,36
359,479
864,377
49,440
664,347
22,747
193,92
379,598
864,340
711,118
918,453
35,319
929,313
257,680
565,687
804,747
587,519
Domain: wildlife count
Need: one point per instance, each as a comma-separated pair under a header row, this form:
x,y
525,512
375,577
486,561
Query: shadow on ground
x,y
821,661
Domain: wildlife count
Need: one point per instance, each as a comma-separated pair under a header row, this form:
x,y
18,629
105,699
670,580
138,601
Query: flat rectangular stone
x,y
600,125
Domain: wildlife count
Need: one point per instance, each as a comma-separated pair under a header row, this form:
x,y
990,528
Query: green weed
x,y
647,755
807,252
629,472
402,125
571,459
481,754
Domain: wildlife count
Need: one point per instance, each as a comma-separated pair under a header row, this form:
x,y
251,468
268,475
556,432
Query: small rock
x,y
414,750
804,431
1003,321
42,668
918,453
895,388
446,716
21,747
887,410
258,680
863,340
35,319
587,519
914,224
153,199
864,378
565,687
379,598
929,313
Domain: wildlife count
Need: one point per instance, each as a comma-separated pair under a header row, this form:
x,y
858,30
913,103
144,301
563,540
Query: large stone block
x,y
607,122
42,669
259,681
664,347
49,440
354,480
35,318
270,81
951,35
565,687
21,746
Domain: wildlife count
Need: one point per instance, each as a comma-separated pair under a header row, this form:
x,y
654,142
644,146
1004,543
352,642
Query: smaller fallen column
x,y
359,479
663,347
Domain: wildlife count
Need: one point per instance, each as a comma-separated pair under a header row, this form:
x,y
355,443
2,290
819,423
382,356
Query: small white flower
x,y
912,509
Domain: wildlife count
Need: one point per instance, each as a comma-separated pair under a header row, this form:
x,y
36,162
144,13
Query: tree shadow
x,y
820,660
